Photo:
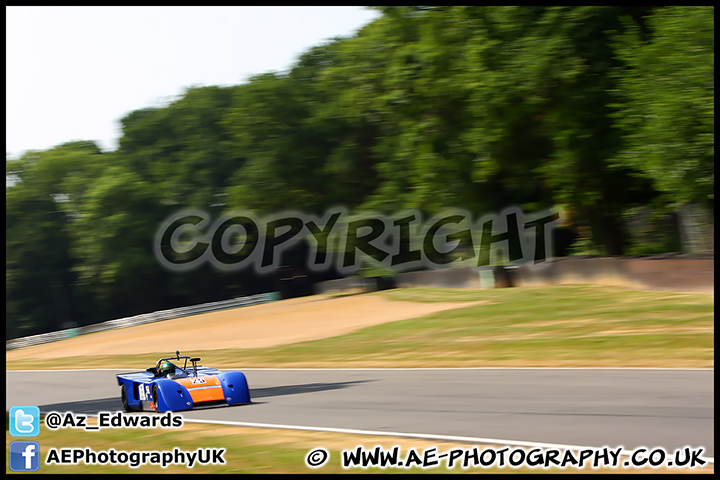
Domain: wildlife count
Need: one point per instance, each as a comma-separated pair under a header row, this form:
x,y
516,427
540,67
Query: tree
x,y
40,280
182,149
486,107
113,244
302,151
666,112
543,98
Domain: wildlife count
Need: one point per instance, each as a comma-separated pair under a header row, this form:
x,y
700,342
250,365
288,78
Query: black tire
x,y
123,398
155,399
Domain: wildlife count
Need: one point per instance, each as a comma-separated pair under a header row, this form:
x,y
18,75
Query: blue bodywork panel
x,y
147,391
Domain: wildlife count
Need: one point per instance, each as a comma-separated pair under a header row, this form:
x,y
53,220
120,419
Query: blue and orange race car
x,y
179,383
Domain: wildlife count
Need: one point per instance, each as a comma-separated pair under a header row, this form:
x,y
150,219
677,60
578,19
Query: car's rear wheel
x,y
155,399
123,398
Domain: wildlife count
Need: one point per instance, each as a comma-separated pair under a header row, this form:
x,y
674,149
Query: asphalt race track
x,y
572,407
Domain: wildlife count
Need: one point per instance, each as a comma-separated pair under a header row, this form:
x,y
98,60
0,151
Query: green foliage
x,y
607,111
668,93
182,149
38,215
113,236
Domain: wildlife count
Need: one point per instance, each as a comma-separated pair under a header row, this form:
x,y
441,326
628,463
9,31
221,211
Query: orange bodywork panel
x,y
203,389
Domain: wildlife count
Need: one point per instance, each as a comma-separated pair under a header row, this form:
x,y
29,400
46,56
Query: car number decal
x,y
145,392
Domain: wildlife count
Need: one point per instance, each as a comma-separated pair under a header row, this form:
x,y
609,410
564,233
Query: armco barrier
x,y
677,273
469,277
352,284
141,319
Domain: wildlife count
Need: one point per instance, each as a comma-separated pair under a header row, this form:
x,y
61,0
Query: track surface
x,y
578,407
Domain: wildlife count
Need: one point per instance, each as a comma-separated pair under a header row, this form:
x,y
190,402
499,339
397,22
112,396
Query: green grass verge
x,y
551,326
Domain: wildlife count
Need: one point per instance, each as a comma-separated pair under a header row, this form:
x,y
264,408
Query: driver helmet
x,y
167,368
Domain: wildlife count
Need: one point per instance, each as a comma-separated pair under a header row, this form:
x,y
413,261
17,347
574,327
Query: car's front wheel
x,y
124,399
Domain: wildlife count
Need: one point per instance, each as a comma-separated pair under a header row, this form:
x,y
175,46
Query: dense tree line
x,y
604,111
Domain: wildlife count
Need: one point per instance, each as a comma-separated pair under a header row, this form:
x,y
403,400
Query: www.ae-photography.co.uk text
x,y
236,240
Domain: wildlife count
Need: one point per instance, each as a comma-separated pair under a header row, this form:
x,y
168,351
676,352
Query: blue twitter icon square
x,y
24,421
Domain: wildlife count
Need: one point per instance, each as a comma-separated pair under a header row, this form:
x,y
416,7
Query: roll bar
x,y
177,356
